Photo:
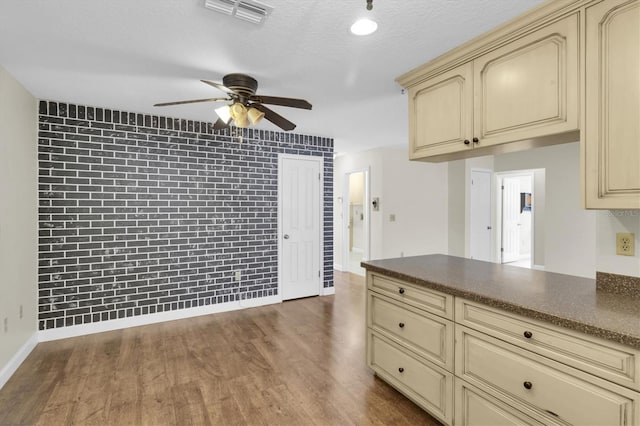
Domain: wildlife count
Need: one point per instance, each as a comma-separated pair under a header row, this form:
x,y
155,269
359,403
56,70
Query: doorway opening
x,y
356,220
516,221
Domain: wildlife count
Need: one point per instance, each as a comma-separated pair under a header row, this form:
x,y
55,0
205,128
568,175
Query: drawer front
x,y
475,407
571,395
427,385
426,334
429,300
604,359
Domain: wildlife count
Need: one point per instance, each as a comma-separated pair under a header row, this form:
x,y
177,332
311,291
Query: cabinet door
x,y
440,114
612,124
528,88
426,384
545,385
475,407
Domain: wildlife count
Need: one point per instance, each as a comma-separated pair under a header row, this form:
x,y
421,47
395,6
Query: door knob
x,y
488,227
286,236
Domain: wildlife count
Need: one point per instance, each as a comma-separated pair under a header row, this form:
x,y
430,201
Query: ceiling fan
x,y
246,107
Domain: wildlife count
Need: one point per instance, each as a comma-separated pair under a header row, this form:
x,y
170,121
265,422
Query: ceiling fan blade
x,y
192,101
219,86
274,117
276,100
219,125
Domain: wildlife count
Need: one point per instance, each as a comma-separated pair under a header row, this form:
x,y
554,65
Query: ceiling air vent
x,y
247,10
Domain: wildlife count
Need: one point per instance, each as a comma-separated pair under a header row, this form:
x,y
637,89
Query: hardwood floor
x,y
301,362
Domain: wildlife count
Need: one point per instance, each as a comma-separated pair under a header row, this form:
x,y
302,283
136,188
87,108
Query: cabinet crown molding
x,y
546,13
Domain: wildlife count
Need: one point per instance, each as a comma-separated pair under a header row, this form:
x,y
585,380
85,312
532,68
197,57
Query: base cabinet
x,y
470,364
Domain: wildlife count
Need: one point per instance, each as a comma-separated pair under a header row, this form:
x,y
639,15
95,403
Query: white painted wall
x,y
457,208
415,192
18,218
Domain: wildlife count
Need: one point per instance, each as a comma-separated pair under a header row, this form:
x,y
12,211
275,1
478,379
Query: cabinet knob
x,y
528,334
401,325
401,370
401,290
466,142
476,140
528,385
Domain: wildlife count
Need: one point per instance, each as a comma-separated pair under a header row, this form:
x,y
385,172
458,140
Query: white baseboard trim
x,y
328,291
118,324
7,370
338,267
538,267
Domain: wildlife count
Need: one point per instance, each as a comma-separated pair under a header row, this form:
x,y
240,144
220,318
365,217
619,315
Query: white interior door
x,y
510,220
480,211
299,230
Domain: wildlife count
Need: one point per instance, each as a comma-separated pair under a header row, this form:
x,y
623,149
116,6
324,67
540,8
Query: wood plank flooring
x,y
301,362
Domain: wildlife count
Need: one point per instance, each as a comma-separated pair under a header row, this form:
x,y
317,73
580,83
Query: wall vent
x,y
247,10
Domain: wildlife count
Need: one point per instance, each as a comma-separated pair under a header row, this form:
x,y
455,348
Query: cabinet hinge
x,y
501,250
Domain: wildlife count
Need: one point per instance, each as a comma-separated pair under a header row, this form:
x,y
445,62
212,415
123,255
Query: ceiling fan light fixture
x,y
364,26
224,112
239,115
255,115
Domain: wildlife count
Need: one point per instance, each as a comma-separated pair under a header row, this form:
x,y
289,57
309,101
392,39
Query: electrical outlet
x,y
625,244
238,275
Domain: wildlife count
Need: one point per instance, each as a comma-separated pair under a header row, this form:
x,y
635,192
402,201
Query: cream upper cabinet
x,y
524,90
441,111
611,140
528,88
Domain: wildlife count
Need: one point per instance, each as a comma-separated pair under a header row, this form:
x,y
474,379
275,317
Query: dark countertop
x,y
564,300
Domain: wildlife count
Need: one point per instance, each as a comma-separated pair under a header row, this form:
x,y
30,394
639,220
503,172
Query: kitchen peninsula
x,y
481,343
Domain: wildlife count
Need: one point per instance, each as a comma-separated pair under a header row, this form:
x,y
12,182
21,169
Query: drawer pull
x,y
401,370
401,325
528,334
528,385
401,290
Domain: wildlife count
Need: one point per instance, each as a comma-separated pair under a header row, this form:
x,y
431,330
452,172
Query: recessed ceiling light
x,y
364,26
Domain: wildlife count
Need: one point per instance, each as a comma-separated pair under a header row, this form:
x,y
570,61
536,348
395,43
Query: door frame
x,y
499,176
492,243
320,161
366,208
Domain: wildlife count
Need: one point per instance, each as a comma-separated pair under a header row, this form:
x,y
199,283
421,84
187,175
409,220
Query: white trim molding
x,y
10,367
328,291
121,323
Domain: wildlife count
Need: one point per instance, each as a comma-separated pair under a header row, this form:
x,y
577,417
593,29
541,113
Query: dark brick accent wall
x,y
142,214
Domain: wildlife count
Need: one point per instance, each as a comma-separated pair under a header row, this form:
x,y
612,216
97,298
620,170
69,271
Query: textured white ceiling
x,y
130,54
